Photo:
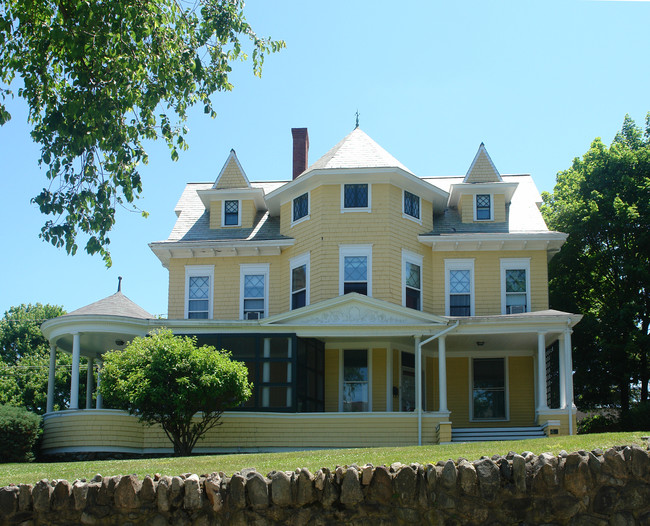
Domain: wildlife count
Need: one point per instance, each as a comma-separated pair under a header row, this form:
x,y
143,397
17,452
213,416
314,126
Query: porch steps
x,y
483,434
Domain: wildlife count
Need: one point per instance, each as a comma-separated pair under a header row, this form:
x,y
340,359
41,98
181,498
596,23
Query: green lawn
x,y
313,460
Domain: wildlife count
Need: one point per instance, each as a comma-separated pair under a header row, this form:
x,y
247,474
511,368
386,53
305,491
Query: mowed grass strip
x,y
312,460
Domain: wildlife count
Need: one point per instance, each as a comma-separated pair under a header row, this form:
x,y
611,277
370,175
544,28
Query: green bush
x,y
598,424
19,431
637,418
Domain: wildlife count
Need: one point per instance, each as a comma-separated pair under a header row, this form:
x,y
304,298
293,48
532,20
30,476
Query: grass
x,y
313,460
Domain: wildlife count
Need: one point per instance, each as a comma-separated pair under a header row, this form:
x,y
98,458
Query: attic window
x,y
356,196
231,213
483,207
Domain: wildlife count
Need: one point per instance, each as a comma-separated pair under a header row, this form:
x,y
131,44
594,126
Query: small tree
x,y
167,380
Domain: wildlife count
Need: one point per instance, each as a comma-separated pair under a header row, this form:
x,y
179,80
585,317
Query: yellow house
x,y
372,307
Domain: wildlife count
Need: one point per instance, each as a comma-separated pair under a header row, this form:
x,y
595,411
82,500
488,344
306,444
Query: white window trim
x,y
356,209
255,268
354,250
416,259
223,213
341,377
196,271
506,393
460,264
304,218
417,220
491,207
298,261
514,264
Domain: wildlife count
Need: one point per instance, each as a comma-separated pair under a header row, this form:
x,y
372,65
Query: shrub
x,y
597,424
637,418
19,431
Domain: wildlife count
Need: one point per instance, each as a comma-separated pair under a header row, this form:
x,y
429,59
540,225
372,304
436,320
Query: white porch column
x,y
74,383
89,384
442,373
569,376
99,402
51,379
389,379
563,371
542,403
418,375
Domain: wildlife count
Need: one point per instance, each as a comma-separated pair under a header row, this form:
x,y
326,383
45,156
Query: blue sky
x,y
536,81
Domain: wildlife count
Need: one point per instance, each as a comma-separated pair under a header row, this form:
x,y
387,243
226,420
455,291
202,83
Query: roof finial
x,y
119,284
357,125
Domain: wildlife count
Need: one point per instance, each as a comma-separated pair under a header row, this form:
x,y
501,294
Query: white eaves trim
x,y
456,190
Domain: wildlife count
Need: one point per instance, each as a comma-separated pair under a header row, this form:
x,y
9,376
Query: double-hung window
x,y
198,291
355,269
299,281
515,285
459,287
411,206
355,197
254,291
300,208
411,280
231,213
355,379
483,207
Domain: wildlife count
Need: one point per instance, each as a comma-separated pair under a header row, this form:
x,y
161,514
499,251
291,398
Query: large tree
x,y
603,271
102,78
25,358
168,380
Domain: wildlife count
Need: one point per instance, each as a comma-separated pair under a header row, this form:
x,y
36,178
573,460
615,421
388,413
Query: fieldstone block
x,y
126,492
331,491
614,466
622,519
545,473
577,476
351,493
148,490
380,490
519,473
606,500
449,475
305,491
9,500
176,492
638,461
237,488
366,474
212,486
163,494
80,494
280,488
193,498
405,485
41,496
257,490
489,480
467,478
25,497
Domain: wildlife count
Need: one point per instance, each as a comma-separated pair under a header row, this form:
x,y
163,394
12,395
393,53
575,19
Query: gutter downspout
x,y
418,374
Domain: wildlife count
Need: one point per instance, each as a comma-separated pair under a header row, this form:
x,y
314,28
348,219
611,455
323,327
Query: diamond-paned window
x,y
413,287
355,196
355,275
411,205
198,300
231,213
300,206
459,293
253,296
483,208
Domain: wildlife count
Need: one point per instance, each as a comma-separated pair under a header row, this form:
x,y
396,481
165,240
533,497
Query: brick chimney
x,y
300,150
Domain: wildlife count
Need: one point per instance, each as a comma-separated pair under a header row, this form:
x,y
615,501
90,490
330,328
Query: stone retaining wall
x,y
582,488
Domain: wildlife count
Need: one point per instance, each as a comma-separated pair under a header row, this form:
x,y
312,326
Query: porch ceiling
x,y
94,344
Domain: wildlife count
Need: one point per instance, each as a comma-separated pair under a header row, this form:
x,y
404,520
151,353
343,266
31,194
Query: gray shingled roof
x,y
116,305
356,150
193,223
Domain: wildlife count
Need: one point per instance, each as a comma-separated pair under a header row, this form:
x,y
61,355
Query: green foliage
x,y
19,431
598,424
603,270
100,79
166,379
637,418
25,359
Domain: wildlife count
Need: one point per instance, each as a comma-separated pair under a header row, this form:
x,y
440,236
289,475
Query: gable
x,y
482,169
232,174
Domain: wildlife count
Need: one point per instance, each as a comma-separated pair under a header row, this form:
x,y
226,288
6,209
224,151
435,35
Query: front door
x,y
489,389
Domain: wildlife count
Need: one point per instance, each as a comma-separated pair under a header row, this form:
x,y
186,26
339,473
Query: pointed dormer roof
x,y
356,150
482,169
116,305
232,174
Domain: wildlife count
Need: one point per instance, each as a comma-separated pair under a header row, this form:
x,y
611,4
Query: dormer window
x,y
356,197
483,208
300,207
231,213
411,205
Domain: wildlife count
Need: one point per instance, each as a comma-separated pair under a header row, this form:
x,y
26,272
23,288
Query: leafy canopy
x,y
167,380
102,78
25,359
603,271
